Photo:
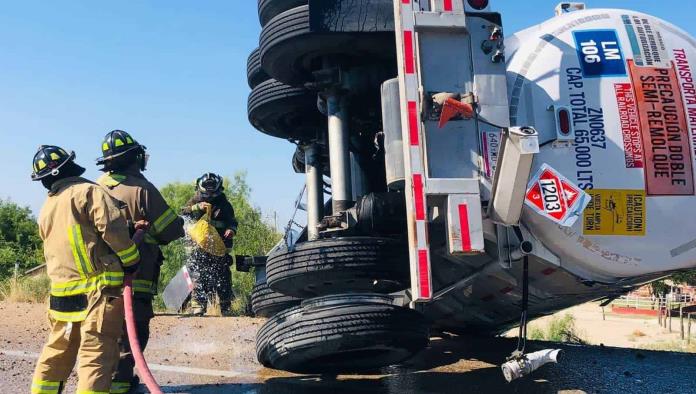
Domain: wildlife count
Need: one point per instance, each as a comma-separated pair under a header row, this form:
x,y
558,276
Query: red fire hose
x,y
143,370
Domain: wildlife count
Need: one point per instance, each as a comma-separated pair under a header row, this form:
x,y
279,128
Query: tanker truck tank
x,y
611,94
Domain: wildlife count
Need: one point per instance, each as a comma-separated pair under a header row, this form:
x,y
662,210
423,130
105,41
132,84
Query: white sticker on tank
x,y
554,196
649,49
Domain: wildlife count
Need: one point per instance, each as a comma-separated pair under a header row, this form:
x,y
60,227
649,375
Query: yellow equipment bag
x,y
207,237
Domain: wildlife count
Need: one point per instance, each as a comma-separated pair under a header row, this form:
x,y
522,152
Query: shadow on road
x,y
468,364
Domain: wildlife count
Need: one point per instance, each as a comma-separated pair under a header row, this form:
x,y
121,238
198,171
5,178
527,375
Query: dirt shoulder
x,y
619,330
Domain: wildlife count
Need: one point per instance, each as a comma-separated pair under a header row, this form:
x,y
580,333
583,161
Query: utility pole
x,y
659,312
681,320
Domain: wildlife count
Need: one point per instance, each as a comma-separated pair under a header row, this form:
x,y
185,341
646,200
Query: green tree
x,y
254,236
660,288
19,239
685,278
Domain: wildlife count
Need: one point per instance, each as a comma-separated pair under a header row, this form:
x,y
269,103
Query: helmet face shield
x,y
209,185
145,159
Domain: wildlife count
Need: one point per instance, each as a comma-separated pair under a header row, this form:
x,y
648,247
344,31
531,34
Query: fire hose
x,y
143,369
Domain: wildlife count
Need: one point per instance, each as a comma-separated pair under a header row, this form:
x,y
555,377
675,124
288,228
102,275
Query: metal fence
x,y
652,303
674,306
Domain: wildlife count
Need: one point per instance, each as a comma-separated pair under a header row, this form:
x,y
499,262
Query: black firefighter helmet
x,y
48,160
209,185
119,149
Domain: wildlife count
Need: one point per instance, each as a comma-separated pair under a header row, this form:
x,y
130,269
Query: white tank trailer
x,y
610,94
539,170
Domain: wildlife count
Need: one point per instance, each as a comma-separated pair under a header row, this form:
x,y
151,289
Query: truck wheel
x,y
340,265
345,332
298,161
255,74
282,111
269,9
266,302
291,50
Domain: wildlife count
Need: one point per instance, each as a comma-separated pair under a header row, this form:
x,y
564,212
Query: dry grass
x,y
638,333
674,346
559,329
30,289
240,306
214,306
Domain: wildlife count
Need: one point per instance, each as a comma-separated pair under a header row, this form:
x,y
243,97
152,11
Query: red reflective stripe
x,y
423,277
548,271
406,1
413,123
409,58
464,225
418,196
448,5
189,283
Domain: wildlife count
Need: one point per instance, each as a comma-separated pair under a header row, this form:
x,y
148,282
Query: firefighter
x,y
211,274
123,160
87,247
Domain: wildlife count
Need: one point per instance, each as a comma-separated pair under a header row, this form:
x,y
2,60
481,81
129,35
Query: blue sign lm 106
x,y
599,53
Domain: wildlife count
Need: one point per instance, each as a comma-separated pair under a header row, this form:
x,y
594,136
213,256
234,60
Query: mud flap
x,y
178,290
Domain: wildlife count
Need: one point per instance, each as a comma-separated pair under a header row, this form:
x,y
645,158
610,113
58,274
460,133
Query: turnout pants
x,y
93,343
211,277
143,312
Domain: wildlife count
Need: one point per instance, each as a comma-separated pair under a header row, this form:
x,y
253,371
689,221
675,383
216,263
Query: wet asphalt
x,y
470,365
216,355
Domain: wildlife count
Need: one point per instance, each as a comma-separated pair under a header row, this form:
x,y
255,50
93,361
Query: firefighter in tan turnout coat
x,y
123,161
87,248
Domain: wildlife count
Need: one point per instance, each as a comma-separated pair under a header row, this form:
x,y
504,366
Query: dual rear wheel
x,y
346,321
347,332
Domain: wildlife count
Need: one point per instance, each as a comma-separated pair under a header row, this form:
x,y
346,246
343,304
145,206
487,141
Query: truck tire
x,y
285,112
255,74
340,265
345,332
266,302
269,9
298,161
291,51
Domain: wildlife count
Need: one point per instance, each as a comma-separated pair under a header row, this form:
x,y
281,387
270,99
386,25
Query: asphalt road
x,y
216,355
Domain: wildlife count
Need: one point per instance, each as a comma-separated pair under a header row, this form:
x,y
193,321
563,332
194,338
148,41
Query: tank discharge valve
x,y
520,365
522,250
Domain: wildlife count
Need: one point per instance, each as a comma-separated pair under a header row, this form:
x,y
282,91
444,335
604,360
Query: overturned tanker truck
x,y
458,179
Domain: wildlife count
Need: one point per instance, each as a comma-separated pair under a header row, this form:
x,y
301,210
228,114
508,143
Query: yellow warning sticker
x,y
615,212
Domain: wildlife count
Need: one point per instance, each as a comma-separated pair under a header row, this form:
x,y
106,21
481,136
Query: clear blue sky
x,y
171,72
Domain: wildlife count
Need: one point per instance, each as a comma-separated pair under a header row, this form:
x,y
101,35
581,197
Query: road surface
x,y
216,355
